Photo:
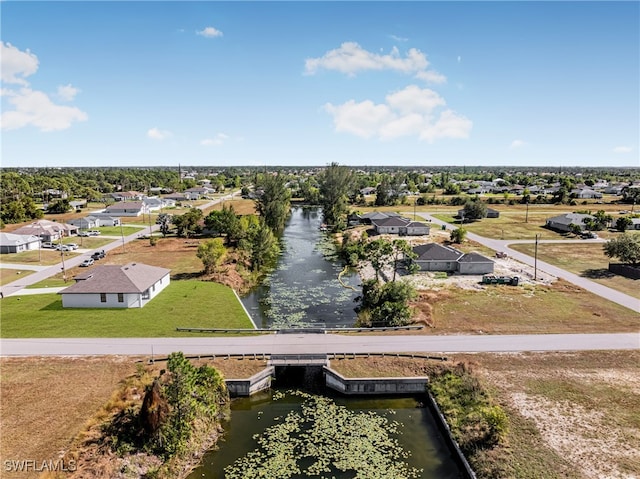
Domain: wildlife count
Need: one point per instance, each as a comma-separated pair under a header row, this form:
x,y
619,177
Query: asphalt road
x,y
503,245
316,344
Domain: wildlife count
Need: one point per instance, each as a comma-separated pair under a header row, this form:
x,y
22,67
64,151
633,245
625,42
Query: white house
x,y
567,221
13,243
123,208
48,230
116,286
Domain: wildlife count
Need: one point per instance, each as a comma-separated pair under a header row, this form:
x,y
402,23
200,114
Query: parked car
x,y
93,233
63,247
84,234
98,255
86,262
589,235
47,244
72,245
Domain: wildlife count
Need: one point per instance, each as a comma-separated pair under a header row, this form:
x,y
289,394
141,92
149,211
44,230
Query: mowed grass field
x,y
8,275
187,303
585,259
557,308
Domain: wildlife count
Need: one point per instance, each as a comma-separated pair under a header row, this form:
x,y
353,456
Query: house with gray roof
x,y
390,225
564,222
437,257
116,286
48,230
13,243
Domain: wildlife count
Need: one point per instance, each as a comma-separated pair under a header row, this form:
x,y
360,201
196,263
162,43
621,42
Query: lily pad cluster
x,y
326,440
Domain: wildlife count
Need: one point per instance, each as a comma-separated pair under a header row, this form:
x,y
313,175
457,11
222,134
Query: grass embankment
x,y
556,308
570,414
182,304
585,259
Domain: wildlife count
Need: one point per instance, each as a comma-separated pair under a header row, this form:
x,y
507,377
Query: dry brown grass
x,y
46,402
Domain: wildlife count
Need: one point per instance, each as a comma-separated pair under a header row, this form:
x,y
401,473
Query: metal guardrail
x,y
312,330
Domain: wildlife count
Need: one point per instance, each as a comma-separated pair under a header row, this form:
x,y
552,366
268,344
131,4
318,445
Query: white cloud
x,y
67,92
217,140
33,107
622,149
408,112
209,32
517,144
36,109
157,134
16,63
350,58
398,39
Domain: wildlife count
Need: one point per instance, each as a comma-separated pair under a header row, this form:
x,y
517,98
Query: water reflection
x,y
304,290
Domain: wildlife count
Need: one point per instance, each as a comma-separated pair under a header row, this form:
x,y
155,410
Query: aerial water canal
x,y
303,290
299,430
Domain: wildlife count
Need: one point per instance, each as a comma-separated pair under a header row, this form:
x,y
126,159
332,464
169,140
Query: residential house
x,y
125,196
416,228
565,222
586,193
123,208
13,243
437,257
635,224
491,213
116,286
155,203
48,230
198,192
86,223
391,225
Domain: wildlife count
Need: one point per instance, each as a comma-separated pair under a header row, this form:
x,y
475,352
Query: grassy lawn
x,y
44,257
586,260
10,275
559,308
115,230
53,282
181,304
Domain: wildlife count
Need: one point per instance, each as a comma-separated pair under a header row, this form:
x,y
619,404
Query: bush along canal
x,y
303,290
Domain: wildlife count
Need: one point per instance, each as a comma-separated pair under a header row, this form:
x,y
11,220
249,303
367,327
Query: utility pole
x,y
535,261
122,235
526,217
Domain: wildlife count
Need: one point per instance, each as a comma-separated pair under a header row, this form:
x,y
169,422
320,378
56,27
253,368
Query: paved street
x,y
317,344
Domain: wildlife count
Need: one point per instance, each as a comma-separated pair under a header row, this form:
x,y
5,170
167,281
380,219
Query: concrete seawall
x,y
411,385
249,386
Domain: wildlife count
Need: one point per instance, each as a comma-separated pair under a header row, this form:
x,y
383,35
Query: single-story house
x,y
437,257
491,213
78,204
416,228
635,224
92,221
124,196
123,208
175,197
155,203
586,193
564,222
48,230
197,192
391,225
475,263
13,243
116,286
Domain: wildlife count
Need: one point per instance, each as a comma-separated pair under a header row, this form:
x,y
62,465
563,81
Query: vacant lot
x,y
46,402
530,309
571,414
584,259
186,303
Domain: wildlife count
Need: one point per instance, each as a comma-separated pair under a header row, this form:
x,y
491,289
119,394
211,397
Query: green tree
x,y
59,206
401,249
625,247
379,252
274,204
458,235
212,253
474,209
451,189
623,223
385,304
335,182
187,224
261,245
225,222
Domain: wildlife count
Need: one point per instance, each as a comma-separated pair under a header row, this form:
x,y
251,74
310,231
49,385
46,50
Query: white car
x,y
93,233
47,244
72,245
86,262
62,247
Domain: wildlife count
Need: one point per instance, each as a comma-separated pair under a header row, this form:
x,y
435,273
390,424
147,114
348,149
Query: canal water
x,y
418,433
303,290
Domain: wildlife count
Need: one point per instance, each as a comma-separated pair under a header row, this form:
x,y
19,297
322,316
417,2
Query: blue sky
x,y
308,83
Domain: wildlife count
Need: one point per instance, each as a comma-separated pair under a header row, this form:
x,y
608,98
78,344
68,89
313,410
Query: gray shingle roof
x,y
436,252
393,221
130,278
474,258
